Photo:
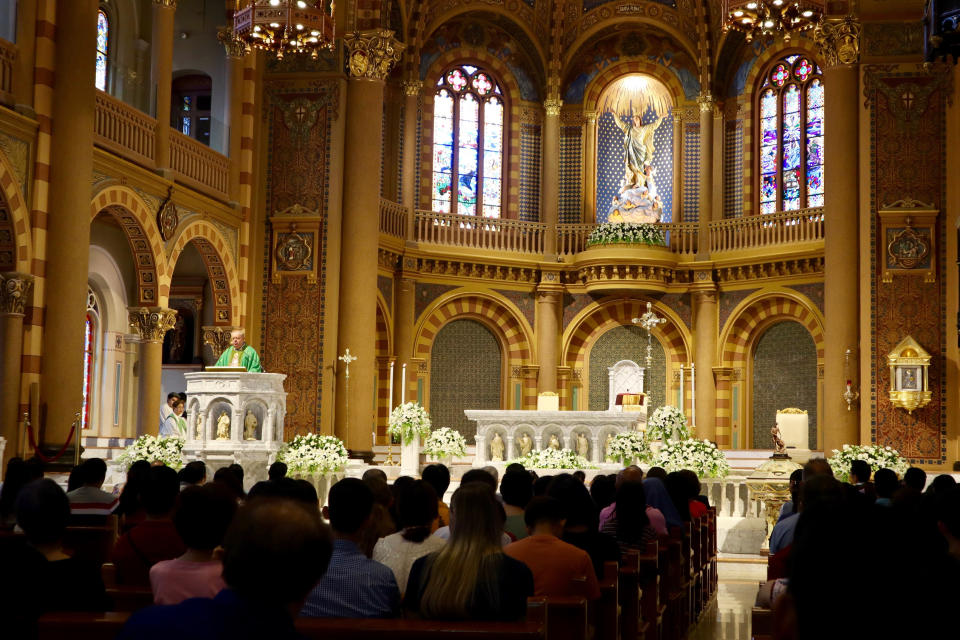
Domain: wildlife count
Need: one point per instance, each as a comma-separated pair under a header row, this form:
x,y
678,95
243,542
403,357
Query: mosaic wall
x,y
571,186
784,375
530,172
733,169
465,370
691,172
626,343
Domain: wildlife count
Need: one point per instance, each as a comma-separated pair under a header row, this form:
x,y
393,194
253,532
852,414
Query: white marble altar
x,y
212,393
540,425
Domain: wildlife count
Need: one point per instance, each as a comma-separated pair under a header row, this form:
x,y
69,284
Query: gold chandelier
x,y
284,26
764,19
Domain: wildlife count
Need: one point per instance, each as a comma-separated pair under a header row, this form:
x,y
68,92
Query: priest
x,y
240,354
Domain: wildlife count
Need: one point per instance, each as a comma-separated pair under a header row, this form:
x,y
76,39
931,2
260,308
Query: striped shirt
x,y
91,501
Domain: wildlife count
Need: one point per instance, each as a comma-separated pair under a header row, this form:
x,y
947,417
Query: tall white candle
x,y
682,382
390,392
693,396
403,383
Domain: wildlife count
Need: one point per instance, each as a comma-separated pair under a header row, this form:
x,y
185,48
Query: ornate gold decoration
x,y
152,323
172,4
167,220
908,248
285,26
909,379
839,41
235,47
372,53
14,292
591,116
218,338
705,100
293,251
412,87
552,106
295,230
764,19
769,486
793,411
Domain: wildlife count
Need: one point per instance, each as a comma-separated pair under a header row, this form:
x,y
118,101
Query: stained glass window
x,y
791,136
103,43
468,130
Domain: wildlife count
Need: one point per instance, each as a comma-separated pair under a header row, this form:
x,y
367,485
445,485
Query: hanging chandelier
x,y
765,19
284,26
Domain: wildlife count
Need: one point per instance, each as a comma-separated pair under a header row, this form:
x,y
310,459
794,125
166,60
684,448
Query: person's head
x,y
582,513
399,485
203,515
859,472
516,488
172,398
941,483
633,473
137,476
75,479
545,515
915,478
886,483
275,551
632,517
416,510
493,472
580,476
238,338
14,480
479,475
540,485
636,121
948,517
438,477
178,407
237,470
350,504
43,511
514,466
693,483
277,471
678,488
229,481
159,493
194,472
657,472
602,490
305,493
93,472
374,474
819,491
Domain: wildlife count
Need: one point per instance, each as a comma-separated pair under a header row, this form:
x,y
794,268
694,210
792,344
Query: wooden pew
x,y
629,596
712,511
696,573
606,619
129,599
651,609
761,624
91,544
81,626
567,618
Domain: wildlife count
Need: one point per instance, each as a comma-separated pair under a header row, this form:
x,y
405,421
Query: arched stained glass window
x,y
791,136
103,44
89,356
468,125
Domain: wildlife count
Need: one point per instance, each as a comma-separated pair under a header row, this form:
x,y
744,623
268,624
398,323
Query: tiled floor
x,y
728,617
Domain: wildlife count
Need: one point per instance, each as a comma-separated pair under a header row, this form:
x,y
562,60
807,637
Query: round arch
x,y
762,64
594,90
221,269
382,352
384,346
12,200
137,222
621,23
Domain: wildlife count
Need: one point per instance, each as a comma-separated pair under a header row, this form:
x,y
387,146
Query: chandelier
x,y
764,19
284,26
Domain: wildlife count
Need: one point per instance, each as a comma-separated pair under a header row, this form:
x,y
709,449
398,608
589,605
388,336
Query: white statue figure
x,y
200,422
250,426
496,448
526,444
606,447
223,426
554,442
583,445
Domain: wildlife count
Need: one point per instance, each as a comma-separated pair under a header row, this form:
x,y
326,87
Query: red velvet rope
x,y
63,449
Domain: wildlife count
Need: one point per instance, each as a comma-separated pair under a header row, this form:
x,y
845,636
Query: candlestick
x,y
403,383
682,384
693,396
390,392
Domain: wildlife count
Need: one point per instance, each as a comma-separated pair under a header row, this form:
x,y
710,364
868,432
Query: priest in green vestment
x,y
240,354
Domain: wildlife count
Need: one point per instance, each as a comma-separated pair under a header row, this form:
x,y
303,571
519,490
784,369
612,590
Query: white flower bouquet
x,y
445,443
553,459
168,450
626,233
668,423
700,456
314,453
407,421
876,456
628,446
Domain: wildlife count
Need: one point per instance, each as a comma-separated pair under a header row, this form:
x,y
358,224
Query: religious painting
x,y
909,378
295,233
906,244
295,251
908,248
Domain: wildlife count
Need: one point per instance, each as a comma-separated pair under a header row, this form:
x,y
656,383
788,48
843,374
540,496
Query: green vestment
x,y
246,358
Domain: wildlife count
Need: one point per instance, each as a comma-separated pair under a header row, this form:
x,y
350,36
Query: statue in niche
x,y
526,444
496,448
554,442
583,445
250,426
606,448
223,426
638,148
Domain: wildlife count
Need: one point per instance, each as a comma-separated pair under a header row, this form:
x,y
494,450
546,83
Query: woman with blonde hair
x,y
470,578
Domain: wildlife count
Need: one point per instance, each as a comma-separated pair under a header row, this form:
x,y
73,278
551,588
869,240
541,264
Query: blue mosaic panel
x,y
529,196
733,170
571,186
691,171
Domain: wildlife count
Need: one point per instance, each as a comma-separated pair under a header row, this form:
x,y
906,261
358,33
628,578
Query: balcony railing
x,y
470,232
393,219
8,55
775,229
681,237
199,164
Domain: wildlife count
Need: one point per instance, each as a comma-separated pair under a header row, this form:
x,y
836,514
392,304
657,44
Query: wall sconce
x,y
850,395
909,381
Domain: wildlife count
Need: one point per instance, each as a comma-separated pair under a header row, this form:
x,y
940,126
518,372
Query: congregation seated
x,y
481,476
660,509
580,528
38,576
89,504
633,473
697,502
228,478
194,472
630,525
130,504
915,478
789,507
438,477
860,480
19,474
516,488
354,586
416,510
381,522
885,483
155,538
559,568
470,578
201,520
603,489
277,471
274,552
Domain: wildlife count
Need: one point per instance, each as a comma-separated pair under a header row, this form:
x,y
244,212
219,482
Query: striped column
x,y
245,180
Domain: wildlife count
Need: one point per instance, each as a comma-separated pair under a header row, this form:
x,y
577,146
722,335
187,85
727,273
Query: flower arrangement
x,y
626,232
553,459
876,456
668,423
314,453
445,443
628,446
407,421
700,456
168,450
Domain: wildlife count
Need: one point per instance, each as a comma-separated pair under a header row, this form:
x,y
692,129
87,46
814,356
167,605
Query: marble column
x,y
411,116
839,42
550,187
14,295
67,221
705,347
150,324
548,337
403,321
371,55
236,53
589,167
705,214
162,72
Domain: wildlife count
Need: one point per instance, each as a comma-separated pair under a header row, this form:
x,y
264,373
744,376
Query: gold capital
x,y
234,46
171,4
14,292
412,87
373,53
218,338
151,323
839,41
591,116
705,100
552,105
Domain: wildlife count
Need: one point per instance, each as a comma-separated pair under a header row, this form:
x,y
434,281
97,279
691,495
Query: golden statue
x,y
583,445
554,442
496,448
525,443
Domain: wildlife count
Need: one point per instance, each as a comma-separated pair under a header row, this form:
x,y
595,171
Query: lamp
x,y
763,19
285,26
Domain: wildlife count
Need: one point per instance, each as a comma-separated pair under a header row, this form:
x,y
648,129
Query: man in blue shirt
x,y
354,586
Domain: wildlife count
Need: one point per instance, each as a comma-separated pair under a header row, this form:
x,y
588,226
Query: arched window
x,y
468,143
103,44
91,329
791,136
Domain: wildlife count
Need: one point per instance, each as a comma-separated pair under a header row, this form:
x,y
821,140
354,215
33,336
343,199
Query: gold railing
x,y
681,237
8,55
471,232
757,232
393,218
126,131
199,164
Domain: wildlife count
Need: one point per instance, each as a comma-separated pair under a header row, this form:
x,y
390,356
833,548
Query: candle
x,y
693,396
390,392
682,382
403,383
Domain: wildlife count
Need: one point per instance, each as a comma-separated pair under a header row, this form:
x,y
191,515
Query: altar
x,y
235,417
539,426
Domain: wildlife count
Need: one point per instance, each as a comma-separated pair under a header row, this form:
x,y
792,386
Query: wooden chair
x,y
129,599
606,617
651,609
629,596
92,544
567,618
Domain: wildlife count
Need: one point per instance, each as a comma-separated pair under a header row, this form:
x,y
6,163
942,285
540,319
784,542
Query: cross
x,y
908,100
649,321
301,111
347,358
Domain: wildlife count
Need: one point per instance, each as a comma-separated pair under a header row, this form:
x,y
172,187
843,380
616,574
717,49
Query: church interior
x,y
418,201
